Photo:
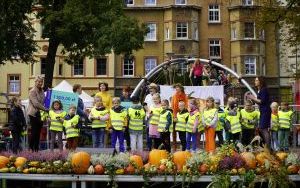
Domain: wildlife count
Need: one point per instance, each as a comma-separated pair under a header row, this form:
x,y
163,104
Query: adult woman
x,y
196,73
106,97
177,97
264,102
36,103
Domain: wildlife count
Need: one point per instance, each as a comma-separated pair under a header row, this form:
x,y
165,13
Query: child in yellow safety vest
x,y
98,116
153,115
221,123
71,126
56,119
165,125
249,121
136,116
232,122
194,120
274,126
118,119
181,121
209,121
285,124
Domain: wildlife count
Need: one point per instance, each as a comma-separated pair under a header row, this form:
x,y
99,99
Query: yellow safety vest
x,y
97,123
249,116
136,119
71,127
221,117
44,115
209,115
191,121
55,124
117,120
163,121
154,119
235,125
181,121
274,122
285,119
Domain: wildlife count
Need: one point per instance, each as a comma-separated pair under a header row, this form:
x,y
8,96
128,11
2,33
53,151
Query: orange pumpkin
x,y
180,158
156,155
129,169
3,161
203,168
137,160
282,155
20,162
80,162
250,160
99,169
292,169
262,156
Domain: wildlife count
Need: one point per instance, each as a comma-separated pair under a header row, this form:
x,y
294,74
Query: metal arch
x,y
179,60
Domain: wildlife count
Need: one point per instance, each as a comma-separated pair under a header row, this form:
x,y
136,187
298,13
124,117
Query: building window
x,y
215,49
233,34
247,2
43,65
195,31
150,63
249,30
182,30
78,68
60,69
150,2
180,2
128,67
129,2
151,35
14,84
250,65
167,34
213,13
32,69
101,66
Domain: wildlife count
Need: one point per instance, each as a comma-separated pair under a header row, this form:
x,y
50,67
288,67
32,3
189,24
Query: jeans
x,y
247,136
274,141
59,139
120,136
98,137
235,138
182,137
191,137
36,126
136,141
283,136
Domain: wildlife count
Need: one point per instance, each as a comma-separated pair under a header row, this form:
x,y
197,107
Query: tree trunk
x,y
50,62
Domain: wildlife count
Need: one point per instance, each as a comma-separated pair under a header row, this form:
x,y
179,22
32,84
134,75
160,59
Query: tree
x,y
87,28
16,32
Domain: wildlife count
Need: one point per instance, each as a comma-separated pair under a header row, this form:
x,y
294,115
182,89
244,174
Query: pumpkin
x,y
3,161
203,168
282,155
80,162
262,156
162,168
180,158
292,169
249,159
137,160
129,169
20,162
91,170
156,155
99,169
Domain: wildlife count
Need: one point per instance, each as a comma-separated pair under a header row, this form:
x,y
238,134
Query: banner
x,y
66,98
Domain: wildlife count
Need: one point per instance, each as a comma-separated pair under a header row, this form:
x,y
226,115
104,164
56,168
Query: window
x,y
151,35
247,2
182,30
128,67
14,84
182,68
32,69
180,2
195,31
101,66
167,34
60,69
150,2
213,14
214,49
42,29
78,68
233,34
43,65
150,63
129,2
249,30
250,65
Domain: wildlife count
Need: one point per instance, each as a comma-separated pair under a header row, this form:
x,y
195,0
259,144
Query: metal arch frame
x,y
179,60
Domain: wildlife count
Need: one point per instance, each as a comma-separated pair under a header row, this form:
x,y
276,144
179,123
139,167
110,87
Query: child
x,y
98,116
136,116
118,119
165,124
18,124
56,118
192,125
274,126
226,110
210,120
249,121
72,129
285,124
153,115
181,120
221,122
232,122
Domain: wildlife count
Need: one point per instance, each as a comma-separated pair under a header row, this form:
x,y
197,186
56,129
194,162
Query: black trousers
x,y
165,140
197,80
219,134
247,136
36,126
182,137
16,140
235,137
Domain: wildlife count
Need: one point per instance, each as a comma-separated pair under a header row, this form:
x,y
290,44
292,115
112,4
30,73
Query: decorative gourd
x,y
249,159
292,169
137,160
91,170
3,161
99,169
80,162
20,162
282,155
156,155
180,158
129,169
203,168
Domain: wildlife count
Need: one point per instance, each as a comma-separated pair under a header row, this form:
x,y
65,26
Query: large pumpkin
x,y
180,158
156,155
250,160
137,160
80,162
20,162
3,161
